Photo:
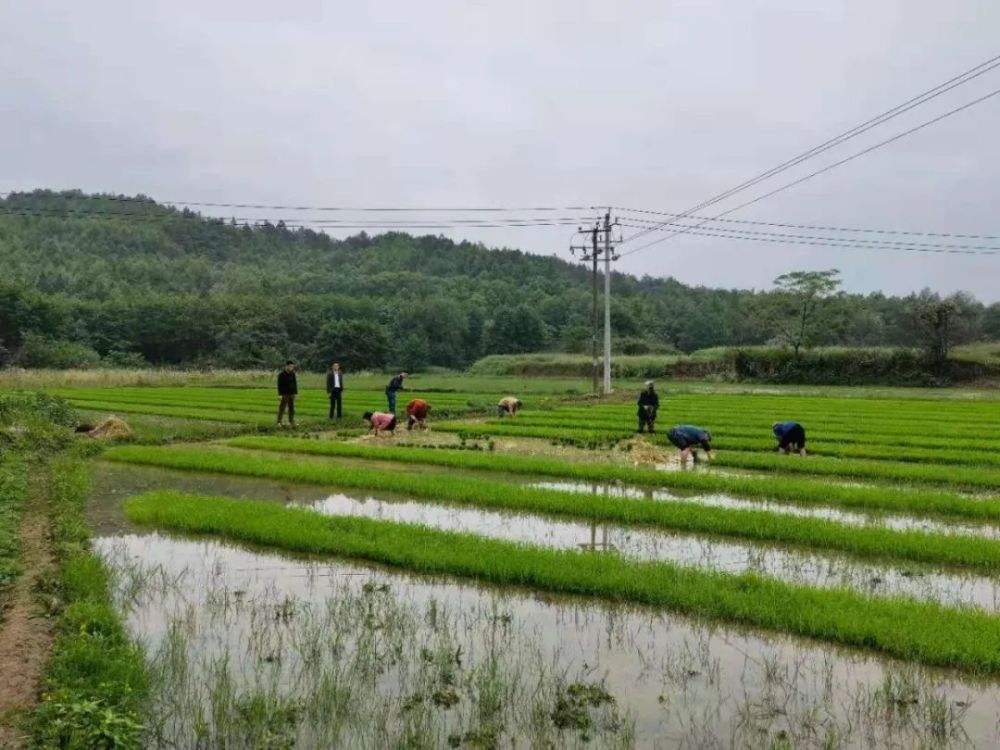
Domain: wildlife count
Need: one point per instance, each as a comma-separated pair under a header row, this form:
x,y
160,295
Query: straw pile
x,y
643,453
111,428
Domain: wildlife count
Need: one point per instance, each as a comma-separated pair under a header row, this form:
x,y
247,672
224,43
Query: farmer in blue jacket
x,y
791,437
394,387
688,438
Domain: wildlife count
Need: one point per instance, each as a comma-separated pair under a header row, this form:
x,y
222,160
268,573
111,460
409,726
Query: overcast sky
x,y
654,105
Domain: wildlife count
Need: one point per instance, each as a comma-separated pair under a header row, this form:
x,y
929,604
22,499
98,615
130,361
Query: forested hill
x,y
131,281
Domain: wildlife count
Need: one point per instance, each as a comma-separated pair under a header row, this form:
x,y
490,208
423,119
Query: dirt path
x,y
26,631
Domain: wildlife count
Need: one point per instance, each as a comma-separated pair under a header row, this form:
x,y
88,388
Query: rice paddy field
x,y
551,580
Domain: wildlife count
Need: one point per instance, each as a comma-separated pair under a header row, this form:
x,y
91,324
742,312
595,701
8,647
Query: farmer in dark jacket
x,y
288,388
335,389
688,438
395,385
649,402
791,437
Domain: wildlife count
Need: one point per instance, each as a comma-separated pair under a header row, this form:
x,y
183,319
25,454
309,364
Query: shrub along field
x,y
903,481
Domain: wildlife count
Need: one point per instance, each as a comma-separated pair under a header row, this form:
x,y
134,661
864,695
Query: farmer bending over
x,y
508,406
416,414
649,402
380,421
791,437
687,438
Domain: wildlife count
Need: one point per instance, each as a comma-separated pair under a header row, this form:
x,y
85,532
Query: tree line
x,y
91,279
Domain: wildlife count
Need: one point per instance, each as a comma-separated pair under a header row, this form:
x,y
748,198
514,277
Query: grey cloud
x,y
648,104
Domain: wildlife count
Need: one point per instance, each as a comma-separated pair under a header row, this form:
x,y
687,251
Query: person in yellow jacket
x,y
508,406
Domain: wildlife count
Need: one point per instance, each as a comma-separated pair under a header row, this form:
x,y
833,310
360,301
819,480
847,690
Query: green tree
x,y
515,330
798,315
356,344
991,322
943,323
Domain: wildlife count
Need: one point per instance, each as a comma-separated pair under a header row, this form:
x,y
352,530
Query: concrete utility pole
x,y
592,254
593,308
607,302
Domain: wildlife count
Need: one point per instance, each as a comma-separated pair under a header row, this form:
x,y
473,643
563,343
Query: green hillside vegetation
x,y
115,281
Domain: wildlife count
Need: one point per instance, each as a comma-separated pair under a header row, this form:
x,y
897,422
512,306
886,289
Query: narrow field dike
x,y
799,491
904,628
758,525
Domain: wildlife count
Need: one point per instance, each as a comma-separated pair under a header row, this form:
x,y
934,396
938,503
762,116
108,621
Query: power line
x,y
909,243
299,222
813,227
818,172
832,242
273,207
857,130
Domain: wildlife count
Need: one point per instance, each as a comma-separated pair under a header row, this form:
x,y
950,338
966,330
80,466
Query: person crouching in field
x,y
288,389
508,406
688,438
791,437
380,421
649,403
416,414
335,389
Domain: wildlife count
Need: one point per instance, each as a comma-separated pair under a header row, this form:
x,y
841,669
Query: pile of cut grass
x,y
916,631
676,515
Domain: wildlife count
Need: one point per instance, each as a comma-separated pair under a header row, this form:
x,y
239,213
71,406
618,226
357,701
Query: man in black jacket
x,y
649,402
288,388
395,385
335,387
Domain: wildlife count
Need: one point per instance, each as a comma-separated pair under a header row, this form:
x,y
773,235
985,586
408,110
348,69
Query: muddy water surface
x,y
328,644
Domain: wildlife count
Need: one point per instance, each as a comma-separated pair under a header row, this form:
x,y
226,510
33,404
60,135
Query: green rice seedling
x,y
882,471
211,415
757,525
799,491
921,632
889,452
885,431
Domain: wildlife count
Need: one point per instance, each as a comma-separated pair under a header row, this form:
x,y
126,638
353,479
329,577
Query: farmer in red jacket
x,y
416,414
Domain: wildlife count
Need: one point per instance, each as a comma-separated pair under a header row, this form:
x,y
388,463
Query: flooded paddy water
x,y
307,651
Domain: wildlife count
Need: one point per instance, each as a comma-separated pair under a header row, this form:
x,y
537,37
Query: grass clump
x,y
917,631
679,515
799,491
95,682
13,489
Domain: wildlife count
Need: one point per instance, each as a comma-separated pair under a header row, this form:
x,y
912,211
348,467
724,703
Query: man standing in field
x,y
688,438
508,406
416,414
394,387
791,437
380,421
649,403
288,389
335,388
